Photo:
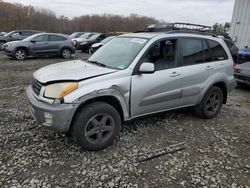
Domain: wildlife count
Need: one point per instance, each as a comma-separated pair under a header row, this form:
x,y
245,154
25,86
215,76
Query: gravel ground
x,y
216,152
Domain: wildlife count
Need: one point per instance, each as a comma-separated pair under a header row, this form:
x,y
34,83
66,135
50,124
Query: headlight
x,y
59,90
10,45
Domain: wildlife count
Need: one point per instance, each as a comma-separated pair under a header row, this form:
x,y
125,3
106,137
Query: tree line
x,y
17,16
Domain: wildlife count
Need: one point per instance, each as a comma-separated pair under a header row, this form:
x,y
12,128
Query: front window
x,y
119,52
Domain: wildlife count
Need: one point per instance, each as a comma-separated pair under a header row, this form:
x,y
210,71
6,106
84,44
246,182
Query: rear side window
x,y
26,33
218,51
229,44
207,52
192,51
41,38
56,38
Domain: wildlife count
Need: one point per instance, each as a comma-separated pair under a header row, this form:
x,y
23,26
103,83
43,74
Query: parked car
x,y
2,33
244,55
82,38
17,35
97,45
87,43
131,76
233,49
242,73
43,44
76,35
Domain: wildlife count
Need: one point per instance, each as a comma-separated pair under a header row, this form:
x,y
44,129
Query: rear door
x,y
197,67
55,43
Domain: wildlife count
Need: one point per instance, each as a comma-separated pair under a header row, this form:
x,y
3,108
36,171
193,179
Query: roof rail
x,y
179,27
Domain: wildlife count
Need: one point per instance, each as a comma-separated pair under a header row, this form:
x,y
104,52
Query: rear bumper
x,y
57,117
244,79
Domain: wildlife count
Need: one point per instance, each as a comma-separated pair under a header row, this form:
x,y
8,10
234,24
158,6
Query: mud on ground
x,y
216,154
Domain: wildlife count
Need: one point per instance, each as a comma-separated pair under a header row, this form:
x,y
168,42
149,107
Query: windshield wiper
x,y
97,63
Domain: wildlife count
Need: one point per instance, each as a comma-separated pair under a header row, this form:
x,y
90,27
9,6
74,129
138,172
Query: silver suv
x,y
131,76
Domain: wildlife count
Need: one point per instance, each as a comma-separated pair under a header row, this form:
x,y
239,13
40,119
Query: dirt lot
x,y
216,154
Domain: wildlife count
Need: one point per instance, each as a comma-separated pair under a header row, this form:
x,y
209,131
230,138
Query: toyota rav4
x,y
131,76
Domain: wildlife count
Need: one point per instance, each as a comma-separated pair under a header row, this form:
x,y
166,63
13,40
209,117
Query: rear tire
x,y
210,104
20,54
96,126
66,53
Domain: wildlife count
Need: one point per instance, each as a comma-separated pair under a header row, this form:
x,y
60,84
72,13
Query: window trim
x,y
138,64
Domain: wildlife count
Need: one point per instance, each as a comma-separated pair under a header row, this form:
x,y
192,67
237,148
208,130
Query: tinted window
x,y
217,50
56,38
229,44
162,54
207,52
192,51
41,38
27,33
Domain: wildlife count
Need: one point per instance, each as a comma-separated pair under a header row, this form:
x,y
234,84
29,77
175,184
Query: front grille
x,y
36,86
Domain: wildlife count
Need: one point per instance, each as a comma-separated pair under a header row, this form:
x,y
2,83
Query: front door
x,y
39,45
160,90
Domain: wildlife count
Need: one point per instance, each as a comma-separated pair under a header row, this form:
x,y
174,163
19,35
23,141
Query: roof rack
x,y
179,27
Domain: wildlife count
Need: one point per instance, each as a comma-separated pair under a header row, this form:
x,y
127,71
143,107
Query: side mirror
x,y
33,41
147,68
246,46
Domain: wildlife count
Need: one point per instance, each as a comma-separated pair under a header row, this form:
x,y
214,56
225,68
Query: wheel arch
x,y
23,48
222,85
112,100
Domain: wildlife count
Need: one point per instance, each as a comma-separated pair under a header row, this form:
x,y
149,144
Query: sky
x,y
195,11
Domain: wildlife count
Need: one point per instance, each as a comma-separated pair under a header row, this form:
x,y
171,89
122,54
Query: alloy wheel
x,y
99,128
20,55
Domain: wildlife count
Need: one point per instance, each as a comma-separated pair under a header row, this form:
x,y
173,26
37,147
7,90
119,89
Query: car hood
x,y
244,66
70,71
13,42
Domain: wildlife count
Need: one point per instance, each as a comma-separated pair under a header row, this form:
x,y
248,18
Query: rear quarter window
x,y
218,51
56,38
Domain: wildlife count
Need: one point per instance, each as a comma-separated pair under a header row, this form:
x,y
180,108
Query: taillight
x,y
73,42
234,65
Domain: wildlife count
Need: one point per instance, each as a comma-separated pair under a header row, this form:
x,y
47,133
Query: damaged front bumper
x,y
57,117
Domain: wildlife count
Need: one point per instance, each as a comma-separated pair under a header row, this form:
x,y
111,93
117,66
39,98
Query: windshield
x,y
86,35
31,37
7,34
119,52
107,39
95,36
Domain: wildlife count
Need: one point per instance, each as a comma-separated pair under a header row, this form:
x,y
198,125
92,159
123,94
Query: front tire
x,y
20,54
96,126
210,104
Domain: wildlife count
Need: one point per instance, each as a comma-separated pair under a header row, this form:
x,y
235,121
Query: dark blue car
x,y
244,55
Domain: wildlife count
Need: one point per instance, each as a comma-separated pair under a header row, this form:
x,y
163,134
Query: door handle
x,y
175,74
209,68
